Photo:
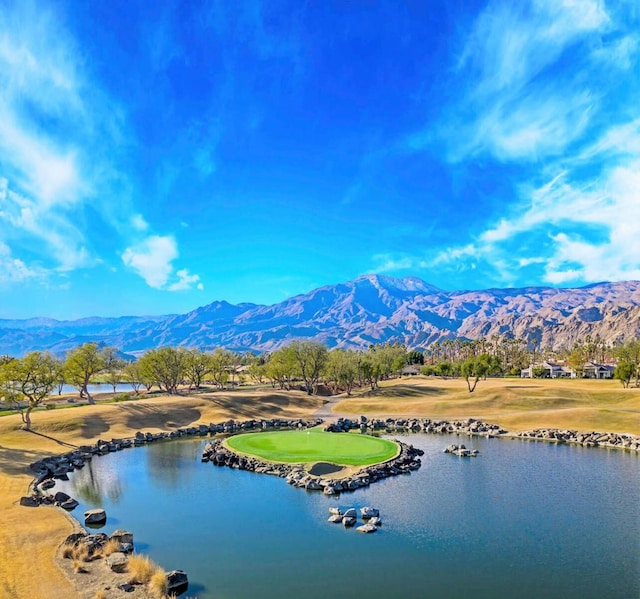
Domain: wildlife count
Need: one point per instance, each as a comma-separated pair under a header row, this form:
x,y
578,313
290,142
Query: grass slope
x,y
515,404
315,445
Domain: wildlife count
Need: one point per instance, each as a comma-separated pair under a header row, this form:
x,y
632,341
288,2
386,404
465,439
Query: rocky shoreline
x,y
48,469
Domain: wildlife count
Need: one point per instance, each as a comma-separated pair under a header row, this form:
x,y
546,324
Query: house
x,y
410,370
551,371
598,371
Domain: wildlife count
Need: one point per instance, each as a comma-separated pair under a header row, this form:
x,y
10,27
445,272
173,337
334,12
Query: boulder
x,y
351,513
69,504
367,528
61,497
335,519
369,512
29,501
177,582
336,511
95,517
375,521
122,536
117,562
348,521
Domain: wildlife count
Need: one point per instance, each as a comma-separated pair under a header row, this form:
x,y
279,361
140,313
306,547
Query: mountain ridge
x,y
372,308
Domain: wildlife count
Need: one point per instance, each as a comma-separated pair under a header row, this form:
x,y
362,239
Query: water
x,y
523,520
94,389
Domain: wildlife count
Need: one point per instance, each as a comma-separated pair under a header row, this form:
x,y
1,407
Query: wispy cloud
x,y
63,140
549,89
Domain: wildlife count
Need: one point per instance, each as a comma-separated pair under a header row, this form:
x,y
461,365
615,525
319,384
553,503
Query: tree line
x,y
26,382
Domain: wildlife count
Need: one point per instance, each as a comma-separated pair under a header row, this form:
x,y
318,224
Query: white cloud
x,y
138,222
152,259
13,270
185,281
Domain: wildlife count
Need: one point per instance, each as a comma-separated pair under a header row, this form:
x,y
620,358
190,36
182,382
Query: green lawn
x,y
315,445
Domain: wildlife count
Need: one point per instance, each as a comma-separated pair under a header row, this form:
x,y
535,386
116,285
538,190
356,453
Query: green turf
x,y
315,445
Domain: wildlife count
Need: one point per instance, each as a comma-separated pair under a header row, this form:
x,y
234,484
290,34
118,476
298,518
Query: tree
x,y
133,375
629,352
281,367
473,369
220,363
165,366
82,364
113,366
27,382
310,357
341,370
197,365
577,360
624,372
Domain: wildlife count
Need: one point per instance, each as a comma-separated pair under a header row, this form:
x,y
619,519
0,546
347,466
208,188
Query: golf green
x,y
315,445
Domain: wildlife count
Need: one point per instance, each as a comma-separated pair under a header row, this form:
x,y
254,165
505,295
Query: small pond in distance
x,y
524,519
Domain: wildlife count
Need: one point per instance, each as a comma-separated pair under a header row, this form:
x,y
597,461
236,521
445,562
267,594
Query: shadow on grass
x,y
92,426
140,416
58,441
404,391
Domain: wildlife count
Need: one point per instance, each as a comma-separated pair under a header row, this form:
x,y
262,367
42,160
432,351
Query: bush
x,y
141,569
49,406
158,585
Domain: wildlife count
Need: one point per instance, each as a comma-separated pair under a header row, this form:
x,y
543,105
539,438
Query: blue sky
x,y
157,156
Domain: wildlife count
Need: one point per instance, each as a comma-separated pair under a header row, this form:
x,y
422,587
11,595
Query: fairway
x,y
315,445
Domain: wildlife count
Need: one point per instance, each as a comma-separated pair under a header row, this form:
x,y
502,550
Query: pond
x,y
523,519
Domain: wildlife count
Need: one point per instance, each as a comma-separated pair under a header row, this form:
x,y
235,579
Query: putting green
x,y
315,445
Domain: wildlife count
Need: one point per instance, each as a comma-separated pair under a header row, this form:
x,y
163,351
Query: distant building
x,y
410,370
591,370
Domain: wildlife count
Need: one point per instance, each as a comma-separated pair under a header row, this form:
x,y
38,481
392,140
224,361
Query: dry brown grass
x,y
110,547
515,404
101,594
141,569
158,585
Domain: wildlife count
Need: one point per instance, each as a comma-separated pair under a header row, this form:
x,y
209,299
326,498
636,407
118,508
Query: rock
x,y
348,521
117,562
29,501
369,512
47,484
177,582
122,536
74,537
97,516
351,513
61,497
335,518
69,504
376,521
126,587
367,528
336,511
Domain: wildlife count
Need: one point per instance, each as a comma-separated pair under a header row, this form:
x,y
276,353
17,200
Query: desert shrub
x,y
81,553
50,406
67,551
140,569
158,585
111,546
101,594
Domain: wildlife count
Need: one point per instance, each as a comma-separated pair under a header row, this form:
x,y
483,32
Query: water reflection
x,y
97,489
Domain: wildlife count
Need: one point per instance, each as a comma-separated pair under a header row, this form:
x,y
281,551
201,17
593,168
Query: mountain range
x,y
369,309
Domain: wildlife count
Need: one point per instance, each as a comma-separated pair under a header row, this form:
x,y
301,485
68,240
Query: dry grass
x,y
141,569
111,546
515,404
158,585
101,594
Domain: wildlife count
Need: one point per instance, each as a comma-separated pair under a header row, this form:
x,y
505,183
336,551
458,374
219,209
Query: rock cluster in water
x,y
461,451
592,439
469,426
406,461
349,518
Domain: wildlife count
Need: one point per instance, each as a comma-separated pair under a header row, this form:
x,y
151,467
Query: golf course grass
x,y
315,445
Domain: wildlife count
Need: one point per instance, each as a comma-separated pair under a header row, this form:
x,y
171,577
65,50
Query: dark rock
x,y
32,501
177,582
